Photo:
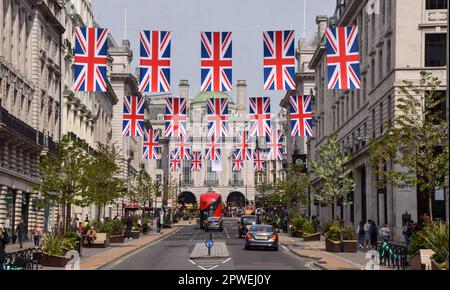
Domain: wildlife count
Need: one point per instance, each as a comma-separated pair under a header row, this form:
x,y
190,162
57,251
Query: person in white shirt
x,y
385,233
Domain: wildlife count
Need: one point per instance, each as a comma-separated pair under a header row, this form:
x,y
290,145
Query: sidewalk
x,y
321,259
11,248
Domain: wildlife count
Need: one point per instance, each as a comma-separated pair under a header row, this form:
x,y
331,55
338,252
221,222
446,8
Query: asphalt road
x,y
173,253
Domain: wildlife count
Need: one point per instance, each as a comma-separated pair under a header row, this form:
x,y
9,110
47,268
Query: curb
x,y
303,256
137,249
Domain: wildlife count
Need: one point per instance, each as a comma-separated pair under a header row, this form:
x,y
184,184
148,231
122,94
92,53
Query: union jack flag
x,y
279,60
212,149
238,162
216,52
183,147
217,117
175,117
151,145
275,146
91,49
196,161
175,161
260,117
155,61
259,164
343,58
301,116
133,116
244,145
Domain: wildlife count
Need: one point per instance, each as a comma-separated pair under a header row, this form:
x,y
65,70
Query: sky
x,y
247,19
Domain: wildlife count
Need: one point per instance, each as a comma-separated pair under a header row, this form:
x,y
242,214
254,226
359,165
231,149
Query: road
x,y
173,253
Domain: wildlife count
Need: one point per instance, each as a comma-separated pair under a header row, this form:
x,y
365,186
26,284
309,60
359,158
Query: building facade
x,y
397,42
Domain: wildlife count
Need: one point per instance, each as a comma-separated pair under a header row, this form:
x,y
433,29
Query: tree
x,y
333,169
414,149
143,189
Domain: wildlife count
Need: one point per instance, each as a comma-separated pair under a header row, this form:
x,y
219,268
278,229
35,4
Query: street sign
x,y
209,244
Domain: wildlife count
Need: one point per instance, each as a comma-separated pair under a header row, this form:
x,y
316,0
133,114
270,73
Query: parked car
x,y
246,222
261,236
214,223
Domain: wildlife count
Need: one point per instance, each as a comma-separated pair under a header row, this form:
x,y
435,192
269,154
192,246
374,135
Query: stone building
x,y
30,94
397,41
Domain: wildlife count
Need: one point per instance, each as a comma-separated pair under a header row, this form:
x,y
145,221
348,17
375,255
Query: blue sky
x,y
247,19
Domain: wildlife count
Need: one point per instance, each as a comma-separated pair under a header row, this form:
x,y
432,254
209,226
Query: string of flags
x,y
343,73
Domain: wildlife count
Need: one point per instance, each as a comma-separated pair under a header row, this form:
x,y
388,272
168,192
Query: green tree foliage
x,y
335,172
416,141
143,189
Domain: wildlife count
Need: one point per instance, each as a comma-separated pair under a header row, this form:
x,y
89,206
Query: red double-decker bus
x,y
210,205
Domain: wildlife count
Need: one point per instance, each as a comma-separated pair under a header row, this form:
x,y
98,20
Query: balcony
x,y
17,126
187,183
212,183
236,183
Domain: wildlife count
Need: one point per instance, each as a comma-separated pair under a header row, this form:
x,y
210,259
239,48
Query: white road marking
x,y
284,247
191,261
226,260
227,233
214,267
202,268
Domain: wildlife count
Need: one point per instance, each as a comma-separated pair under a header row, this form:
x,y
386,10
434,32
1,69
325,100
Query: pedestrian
x,y
361,234
86,222
367,234
129,225
158,226
37,235
385,233
21,232
373,230
408,232
4,240
91,236
190,218
139,222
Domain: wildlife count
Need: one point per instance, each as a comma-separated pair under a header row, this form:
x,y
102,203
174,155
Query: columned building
x,y
30,101
396,44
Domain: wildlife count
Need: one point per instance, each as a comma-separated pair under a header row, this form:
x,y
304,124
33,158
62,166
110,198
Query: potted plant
x,y
310,233
54,249
145,227
349,242
115,229
333,242
296,227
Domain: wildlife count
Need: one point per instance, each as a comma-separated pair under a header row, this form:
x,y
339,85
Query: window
x,y
381,119
373,73
441,108
186,172
159,163
211,176
436,4
388,56
435,50
373,124
380,66
389,110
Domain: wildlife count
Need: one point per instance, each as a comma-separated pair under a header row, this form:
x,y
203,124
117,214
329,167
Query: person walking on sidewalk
x,y
37,235
158,226
4,240
129,225
373,231
21,232
361,234
367,234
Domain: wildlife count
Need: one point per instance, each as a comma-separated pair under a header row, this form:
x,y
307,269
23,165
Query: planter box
x,y
117,239
435,266
51,261
312,238
333,247
349,246
135,235
422,260
297,234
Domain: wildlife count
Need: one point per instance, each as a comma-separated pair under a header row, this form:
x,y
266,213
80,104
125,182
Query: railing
x,y
17,125
236,183
213,183
185,183
392,254
22,260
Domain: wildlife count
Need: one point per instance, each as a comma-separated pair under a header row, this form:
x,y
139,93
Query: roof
x,y
203,97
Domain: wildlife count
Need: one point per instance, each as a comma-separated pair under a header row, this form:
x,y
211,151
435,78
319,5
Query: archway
x,y
236,200
187,198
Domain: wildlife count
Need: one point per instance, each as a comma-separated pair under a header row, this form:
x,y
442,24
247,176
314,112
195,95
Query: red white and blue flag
x,y
301,116
174,161
184,148
213,149
91,58
238,162
217,117
279,60
260,117
244,145
155,61
275,146
196,161
151,149
133,116
175,117
259,164
343,58
216,63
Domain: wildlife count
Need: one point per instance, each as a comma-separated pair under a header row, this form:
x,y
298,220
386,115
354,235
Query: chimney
x,y
321,22
184,89
241,95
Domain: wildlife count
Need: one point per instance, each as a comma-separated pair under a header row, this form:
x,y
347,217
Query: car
x,y
261,236
245,223
214,223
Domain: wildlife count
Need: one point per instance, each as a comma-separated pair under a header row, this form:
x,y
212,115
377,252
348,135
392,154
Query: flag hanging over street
x,y
260,117
133,116
259,164
238,161
183,147
151,149
155,61
244,145
343,58
279,60
175,117
91,49
213,149
196,161
174,160
275,146
301,116
217,117
216,63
